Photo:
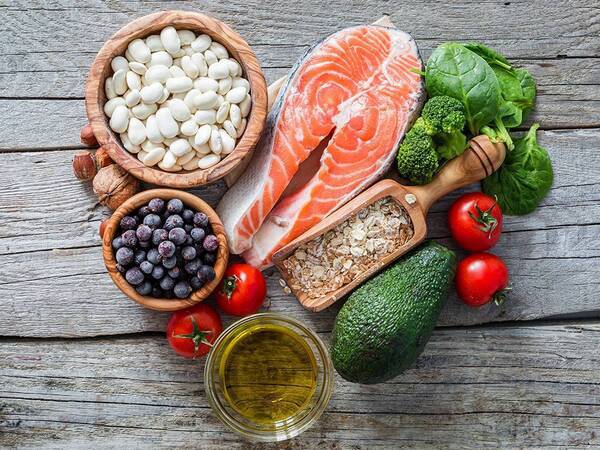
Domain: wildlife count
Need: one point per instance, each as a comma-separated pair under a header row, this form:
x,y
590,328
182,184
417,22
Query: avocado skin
x,y
384,325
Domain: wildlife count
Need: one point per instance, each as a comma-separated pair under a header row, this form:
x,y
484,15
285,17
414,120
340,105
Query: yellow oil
x,y
269,374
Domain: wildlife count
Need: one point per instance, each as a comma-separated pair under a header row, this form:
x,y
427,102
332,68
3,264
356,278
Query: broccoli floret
x,y
443,114
451,145
417,159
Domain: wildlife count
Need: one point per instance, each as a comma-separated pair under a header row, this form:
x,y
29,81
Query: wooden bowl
x,y
192,202
151,24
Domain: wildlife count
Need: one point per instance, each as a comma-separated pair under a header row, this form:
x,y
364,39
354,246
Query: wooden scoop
x,y
480,160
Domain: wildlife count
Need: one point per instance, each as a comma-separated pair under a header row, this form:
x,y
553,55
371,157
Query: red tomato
x,y
242,290
481,277
475,221
192,331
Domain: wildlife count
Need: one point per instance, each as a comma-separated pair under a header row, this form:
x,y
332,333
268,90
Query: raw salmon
x,y
354,96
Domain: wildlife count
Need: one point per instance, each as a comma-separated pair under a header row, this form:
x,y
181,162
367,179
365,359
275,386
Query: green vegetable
x,y
458,72
417,159
444,119
384,325
525,177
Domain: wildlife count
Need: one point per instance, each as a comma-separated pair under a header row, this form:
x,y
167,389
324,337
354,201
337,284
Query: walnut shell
x,y
113,186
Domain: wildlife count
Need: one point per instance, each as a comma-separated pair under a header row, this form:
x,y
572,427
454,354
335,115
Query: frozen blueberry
x,y
117,243
182,289
166,249
145,288
187,215
196,283
153,221
124,256
188,253
159,235
167,283
129,238
153,256
200,220
209,259
169,263
147,267
134,276
197,234
128,223
139,257
143,232
144,211
210,243
174,273
121,268
177,236
206,274
175,206
157,292
156,205
192,267
174,221
158,272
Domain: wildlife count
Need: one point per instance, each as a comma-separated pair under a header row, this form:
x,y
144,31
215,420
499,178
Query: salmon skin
x,y
356,89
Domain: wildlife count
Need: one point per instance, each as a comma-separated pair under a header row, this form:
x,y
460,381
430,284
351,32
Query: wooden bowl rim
x,y
142,27
164,304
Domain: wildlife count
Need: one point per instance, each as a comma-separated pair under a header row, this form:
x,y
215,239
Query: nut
x,y
113,186
102,158
87,136
84,165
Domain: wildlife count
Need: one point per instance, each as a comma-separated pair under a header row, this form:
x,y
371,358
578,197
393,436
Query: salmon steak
x,y
333,131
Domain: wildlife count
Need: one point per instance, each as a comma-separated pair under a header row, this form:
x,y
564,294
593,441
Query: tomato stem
x,y
485,218
500,296
197,335
229,285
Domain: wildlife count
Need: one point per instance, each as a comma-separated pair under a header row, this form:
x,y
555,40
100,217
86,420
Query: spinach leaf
x,y
525,177
492,57
456,71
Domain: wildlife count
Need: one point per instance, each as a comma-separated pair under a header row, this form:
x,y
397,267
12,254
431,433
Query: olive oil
x,y
269,374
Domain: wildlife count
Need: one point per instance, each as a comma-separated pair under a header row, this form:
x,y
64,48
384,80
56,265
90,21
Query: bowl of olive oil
x,y
268,377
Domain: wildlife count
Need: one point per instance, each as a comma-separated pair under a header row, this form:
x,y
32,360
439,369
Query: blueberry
x,y
147,267
158,272
169,263
117,243
153,221
144,244
188,240
143,232
144,211
124,256
182,289
174,221
192,267
206,274
157,292
200,220
129,238
175,206
166,249
196,283
121,268
211,243
134,276
159,235
167,283
174,273
156,205
187,215
145,288
209,258
128,223
139,257
177,236
188,253
197,234
188,227
153,256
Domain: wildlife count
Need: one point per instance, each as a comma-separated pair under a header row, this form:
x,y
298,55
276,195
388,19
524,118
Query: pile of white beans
x,y
177,100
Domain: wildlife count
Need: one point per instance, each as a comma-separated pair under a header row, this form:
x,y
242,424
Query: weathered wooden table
x,y
81,366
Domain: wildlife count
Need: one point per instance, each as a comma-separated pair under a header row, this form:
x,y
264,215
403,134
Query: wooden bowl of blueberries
x,y
165,249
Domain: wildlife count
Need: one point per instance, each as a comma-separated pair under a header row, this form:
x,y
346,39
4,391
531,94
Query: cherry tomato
x,y
242,290
192,331
475,221
481,277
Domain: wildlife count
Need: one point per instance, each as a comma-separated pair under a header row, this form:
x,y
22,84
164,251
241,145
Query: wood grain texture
x,y
153,23
501,387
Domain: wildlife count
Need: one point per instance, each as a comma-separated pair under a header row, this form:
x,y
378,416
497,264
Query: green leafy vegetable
x,y
525,177
417,159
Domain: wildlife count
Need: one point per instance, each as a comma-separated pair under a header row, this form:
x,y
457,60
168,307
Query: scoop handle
x,y
479,160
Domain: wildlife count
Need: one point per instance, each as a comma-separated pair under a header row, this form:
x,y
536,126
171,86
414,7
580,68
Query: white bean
x,y
119,81
189,51
141,155
179,110
229,128
237,82
241,128
202,150
183,160
128,56
109,89
139,50
166,124
154,156
208,161
205,116
138,67
119,119
154,43
136,131
233,66
180,147
236,95
214,142
178,54
168,161
161,58
148,145
210,57
225,85
218,70
158,73
245,105
119,63
190,69
170,40
227,142
191,164
174,168
222,112
204,84
128,145
177,63
142,111
201,43
235,115
189,99
206,100
189,127
111,104
200,62
151,94
176,72
220,101
169,141
202,135
133,80
152,130
163,98
132,98
186,37
179,84
219,50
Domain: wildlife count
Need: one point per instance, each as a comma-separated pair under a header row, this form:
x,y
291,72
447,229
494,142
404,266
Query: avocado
x,y
384,325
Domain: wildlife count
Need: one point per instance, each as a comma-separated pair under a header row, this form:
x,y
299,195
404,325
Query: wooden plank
x,y
49,250
481,387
